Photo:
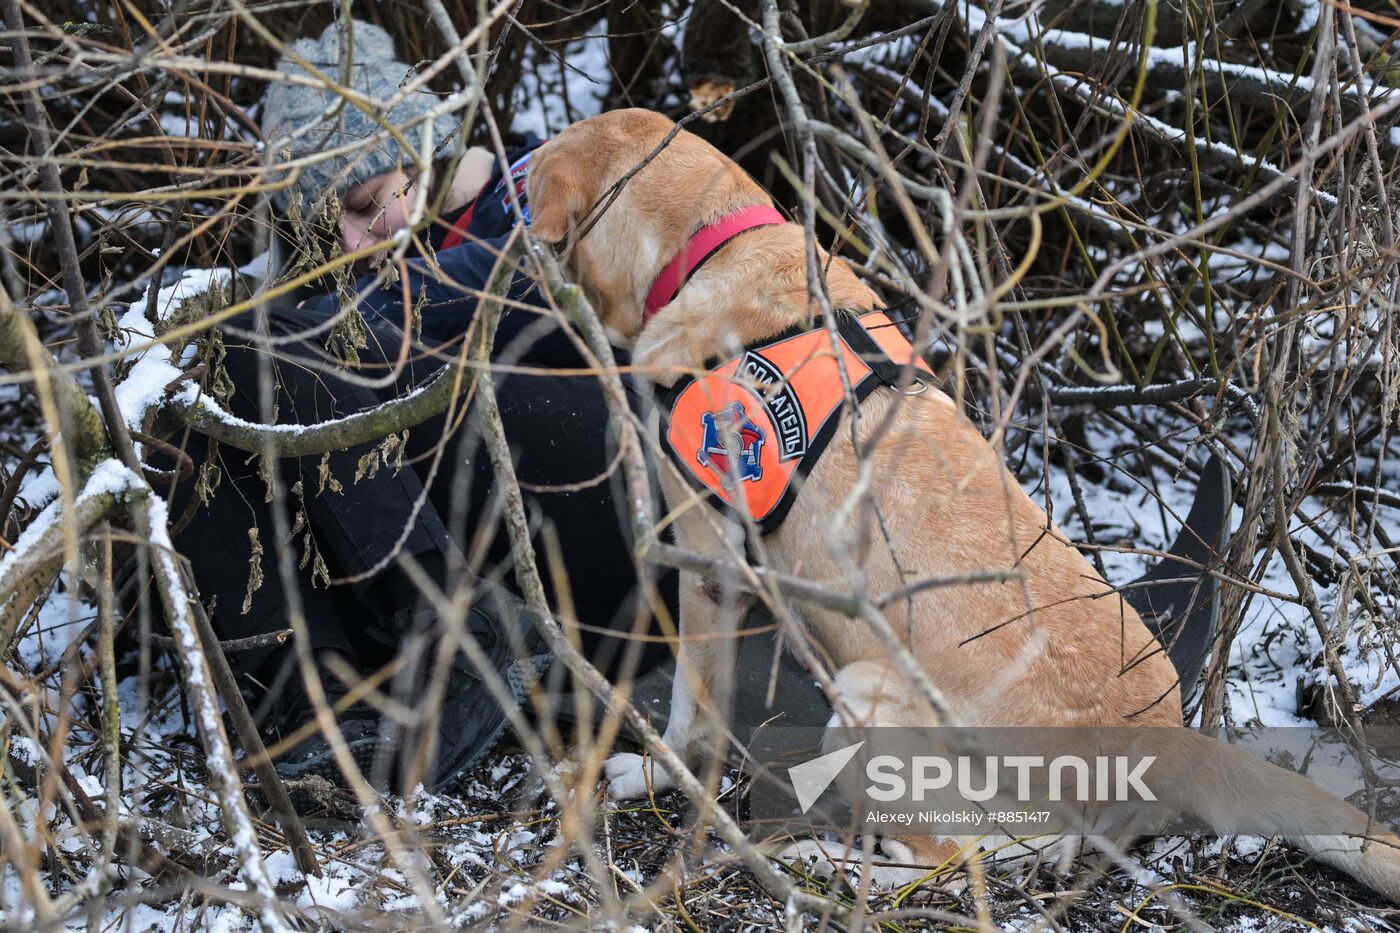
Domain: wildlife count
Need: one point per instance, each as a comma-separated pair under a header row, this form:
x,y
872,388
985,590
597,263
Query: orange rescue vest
x,y
749,431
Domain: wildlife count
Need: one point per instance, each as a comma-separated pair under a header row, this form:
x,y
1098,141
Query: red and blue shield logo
x,y
731,432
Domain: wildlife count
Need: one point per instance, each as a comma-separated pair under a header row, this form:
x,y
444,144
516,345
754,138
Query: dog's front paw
x,y
631,776
897,868
811,858
825,860
907,870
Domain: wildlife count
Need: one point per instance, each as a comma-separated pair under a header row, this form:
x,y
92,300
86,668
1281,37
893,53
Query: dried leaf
x,y
210,476
327,478
319,572
265,468
255,574
399,451
368,465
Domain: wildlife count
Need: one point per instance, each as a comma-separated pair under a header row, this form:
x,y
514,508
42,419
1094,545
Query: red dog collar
x,y
700,247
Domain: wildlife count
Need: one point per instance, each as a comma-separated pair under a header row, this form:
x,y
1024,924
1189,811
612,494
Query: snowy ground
x,y
497,845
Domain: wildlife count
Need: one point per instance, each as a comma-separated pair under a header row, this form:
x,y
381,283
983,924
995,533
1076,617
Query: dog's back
x,y
1050,645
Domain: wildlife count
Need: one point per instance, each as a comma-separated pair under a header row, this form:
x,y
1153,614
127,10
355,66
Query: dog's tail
x,y
1235,791
1179,599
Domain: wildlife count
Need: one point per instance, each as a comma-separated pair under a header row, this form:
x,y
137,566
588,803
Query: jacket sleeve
x,y
447,301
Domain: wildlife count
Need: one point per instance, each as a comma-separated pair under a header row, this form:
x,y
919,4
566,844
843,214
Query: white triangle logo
x,y
811,778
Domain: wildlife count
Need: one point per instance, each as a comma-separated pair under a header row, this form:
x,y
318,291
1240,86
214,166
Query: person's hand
x,y
379,208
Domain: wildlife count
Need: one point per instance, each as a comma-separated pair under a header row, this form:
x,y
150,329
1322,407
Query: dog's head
x,y
623,195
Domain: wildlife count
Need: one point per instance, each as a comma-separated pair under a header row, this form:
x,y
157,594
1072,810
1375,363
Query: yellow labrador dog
x,y
1040,650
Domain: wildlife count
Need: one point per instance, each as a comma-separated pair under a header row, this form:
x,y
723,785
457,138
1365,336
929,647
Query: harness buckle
x,y
917,387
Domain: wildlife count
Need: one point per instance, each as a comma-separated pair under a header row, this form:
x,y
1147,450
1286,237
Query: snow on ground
x,y
1278,646
498,856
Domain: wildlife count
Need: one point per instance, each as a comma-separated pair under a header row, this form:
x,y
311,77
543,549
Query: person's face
x,y
376,210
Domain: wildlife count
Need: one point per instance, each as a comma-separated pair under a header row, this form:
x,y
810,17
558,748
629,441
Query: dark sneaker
x,y
359,727
468,721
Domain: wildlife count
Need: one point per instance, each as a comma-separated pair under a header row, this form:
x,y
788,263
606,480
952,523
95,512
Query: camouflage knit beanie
x,y
294,108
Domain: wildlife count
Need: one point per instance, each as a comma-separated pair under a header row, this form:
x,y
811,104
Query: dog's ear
x,y
557,197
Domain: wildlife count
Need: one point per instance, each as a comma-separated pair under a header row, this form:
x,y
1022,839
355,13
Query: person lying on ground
x,y
355,538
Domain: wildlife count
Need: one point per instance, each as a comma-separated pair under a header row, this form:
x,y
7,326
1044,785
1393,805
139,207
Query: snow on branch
x,y
154,367
203,414
26,569
223,772
1172,67
1011,33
